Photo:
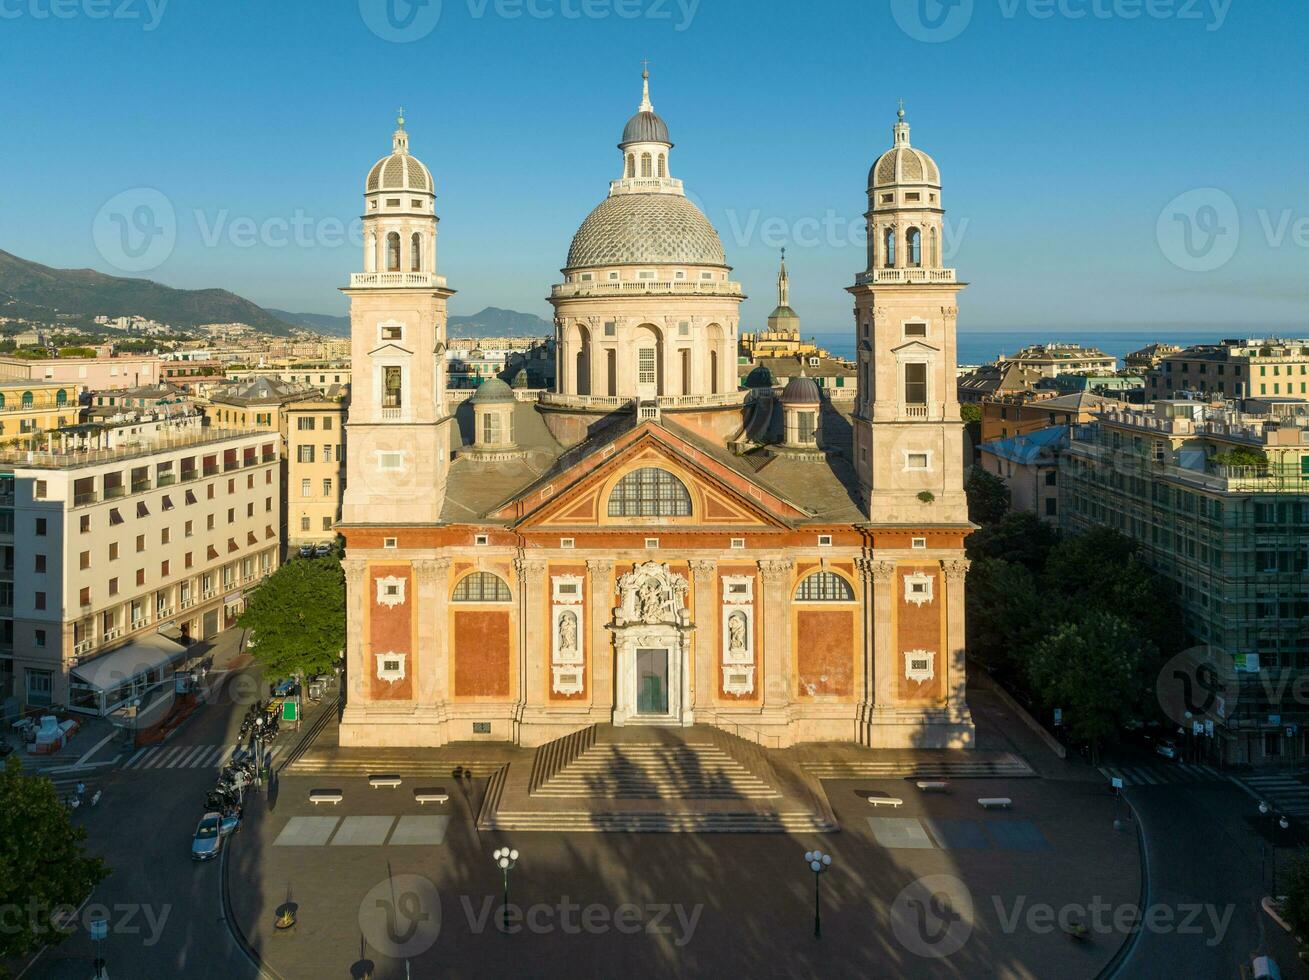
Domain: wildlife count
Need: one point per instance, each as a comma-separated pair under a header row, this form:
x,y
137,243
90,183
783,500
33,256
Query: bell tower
x,y
908,436
399,425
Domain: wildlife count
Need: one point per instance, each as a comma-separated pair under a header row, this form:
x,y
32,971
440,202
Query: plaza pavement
x,y
935,888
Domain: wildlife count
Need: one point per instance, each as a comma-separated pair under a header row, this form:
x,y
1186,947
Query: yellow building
x,y
28,406
315,467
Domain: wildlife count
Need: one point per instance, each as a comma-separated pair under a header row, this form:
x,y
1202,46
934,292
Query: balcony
x,y
186,604
646,185
86,646
396,280
140,486
211,470
891,277
392,414
82,499
163,613
113,493
165,480
647,287
112,634
188,475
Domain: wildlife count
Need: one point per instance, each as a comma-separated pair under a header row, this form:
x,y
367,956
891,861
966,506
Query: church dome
x,y
903,164
646,229
645,127
493,391
801,391
760,377
400,171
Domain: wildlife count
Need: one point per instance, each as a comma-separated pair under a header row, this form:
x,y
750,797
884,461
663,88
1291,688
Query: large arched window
x,y
913,240
645,164
61,397
482,587
824,587
416,253
663,165
650,492
393,252
27,399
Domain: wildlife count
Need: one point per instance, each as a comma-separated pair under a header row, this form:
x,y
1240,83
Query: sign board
x,y
1290,731
1117,782
1209,727
99,929
289,712
1274,719
1197,728
1058,716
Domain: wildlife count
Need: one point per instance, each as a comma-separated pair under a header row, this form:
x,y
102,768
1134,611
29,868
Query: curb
x,y
1052,743
1115,964
265,972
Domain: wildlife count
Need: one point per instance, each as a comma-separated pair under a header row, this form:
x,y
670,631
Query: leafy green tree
x,y
971,414
43,865
1005,616
76,352
296,618
1019,537
1098,669
1295,882
988,496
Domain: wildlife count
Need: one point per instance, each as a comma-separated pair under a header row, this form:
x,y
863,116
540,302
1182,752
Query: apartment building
x,y
254,403
1233,369
1052,360
106,551
315,374
95,373
1018,413
1029,466
315,468
28,407
1218,499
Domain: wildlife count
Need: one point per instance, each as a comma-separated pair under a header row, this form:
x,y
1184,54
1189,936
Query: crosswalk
x,y
187,756
1171,773
1288,792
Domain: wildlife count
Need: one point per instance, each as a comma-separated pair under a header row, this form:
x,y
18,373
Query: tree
x,y
988,496
970,413
1098,670
1296,890
43,866
1019,536
1005,616
296,618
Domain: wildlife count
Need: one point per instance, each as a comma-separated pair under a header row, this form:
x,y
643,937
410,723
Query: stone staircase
x,y
633,771
1000,765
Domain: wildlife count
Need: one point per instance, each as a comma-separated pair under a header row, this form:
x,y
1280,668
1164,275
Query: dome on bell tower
x,y
903,163
400,171
647,126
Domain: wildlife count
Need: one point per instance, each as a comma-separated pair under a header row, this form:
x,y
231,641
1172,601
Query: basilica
x,y
652,542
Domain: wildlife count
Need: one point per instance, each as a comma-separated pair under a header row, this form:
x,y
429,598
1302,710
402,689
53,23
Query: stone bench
x,y
431,795
994,802
933,786
317,796
384,780
885,801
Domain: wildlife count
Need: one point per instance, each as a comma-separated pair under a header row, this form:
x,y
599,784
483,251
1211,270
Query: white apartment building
x,y
103,550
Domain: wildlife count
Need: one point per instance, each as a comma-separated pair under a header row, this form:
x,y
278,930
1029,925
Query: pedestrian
x,y
81,788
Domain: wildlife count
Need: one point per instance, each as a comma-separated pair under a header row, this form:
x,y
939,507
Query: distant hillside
x,y
495,322
491,322
36,291
324,323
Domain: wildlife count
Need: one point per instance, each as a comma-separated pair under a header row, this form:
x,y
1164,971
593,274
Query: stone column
x,y
533,632
884,652
776,574
868,638
705,676
954,655
599,610
356,644
432,658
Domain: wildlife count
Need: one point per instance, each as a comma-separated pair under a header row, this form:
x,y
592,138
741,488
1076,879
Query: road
x,y
164,910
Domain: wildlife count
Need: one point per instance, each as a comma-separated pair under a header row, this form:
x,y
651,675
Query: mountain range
x,y
33,291
39,292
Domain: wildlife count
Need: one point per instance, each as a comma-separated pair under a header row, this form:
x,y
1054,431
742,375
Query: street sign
x,y
1058,717
1209,727
99,929
1117,782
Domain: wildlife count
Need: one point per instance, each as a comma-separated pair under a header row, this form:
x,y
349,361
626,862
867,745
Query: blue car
x,y
208,839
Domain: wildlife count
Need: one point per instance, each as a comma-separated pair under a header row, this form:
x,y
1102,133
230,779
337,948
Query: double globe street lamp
x,y
818,863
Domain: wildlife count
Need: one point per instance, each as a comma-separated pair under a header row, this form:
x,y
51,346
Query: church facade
x,y
651,543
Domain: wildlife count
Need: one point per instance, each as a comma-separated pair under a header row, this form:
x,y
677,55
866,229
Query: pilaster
x,y
705,575
776,574
601,572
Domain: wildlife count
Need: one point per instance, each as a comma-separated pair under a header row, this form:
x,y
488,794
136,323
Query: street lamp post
x,y
1282,824
506,860
818,863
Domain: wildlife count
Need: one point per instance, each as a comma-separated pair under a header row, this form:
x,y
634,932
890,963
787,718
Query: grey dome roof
x,y
760,376
801,391
493,391
629,229
645,127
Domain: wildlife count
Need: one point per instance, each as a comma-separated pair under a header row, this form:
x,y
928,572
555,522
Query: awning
x,y
126,663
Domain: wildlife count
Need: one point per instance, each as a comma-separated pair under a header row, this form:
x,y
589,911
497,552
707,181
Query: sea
x,y
983,346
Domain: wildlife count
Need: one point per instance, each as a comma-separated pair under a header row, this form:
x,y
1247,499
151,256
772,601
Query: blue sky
x,y
1105,162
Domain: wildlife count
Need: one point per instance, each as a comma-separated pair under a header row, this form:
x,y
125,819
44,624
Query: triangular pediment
x,y
391,349
915,346
721,496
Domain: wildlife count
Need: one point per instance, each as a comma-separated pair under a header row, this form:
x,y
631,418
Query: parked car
x,y
230,823
306,551
208,839
323,550
1166,748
